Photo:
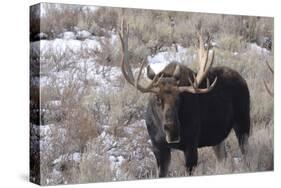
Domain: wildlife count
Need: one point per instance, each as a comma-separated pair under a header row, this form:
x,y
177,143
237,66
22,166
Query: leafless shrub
x,y
58,18
107,18
231,43
76,114
108,55
94,166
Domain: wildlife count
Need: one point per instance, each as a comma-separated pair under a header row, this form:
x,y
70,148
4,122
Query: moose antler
x,y
205,61
126,68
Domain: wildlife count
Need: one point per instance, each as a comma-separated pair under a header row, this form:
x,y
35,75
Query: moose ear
x,y
150,73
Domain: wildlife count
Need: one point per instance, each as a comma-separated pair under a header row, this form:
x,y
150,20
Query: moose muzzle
x,y
172,133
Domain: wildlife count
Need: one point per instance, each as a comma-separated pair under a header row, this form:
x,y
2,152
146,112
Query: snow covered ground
x,y
66,50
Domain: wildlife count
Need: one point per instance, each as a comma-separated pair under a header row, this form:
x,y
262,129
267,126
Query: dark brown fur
x,y
196,120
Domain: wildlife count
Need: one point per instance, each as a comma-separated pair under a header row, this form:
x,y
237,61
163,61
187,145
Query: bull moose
x,y
185,111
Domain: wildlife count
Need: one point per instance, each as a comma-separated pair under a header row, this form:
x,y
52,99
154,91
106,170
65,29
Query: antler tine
x,y
205,62
153,84
138,78
201,47
158,80
151,87
194,90
125,66
191,83
208,82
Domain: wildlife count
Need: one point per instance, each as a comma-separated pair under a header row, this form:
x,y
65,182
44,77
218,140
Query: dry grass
x,y
108,126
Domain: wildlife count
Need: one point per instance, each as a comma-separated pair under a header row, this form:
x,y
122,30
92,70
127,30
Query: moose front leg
x,y
191,158
163,158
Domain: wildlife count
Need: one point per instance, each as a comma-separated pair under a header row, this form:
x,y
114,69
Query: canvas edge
x,y
34,97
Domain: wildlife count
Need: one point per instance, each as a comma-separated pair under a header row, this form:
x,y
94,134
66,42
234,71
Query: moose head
x,y
167,88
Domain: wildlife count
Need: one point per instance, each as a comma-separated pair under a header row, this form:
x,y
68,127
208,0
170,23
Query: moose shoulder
x,y
186,112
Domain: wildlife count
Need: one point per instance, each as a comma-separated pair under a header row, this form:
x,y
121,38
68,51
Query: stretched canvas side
x,y
34,83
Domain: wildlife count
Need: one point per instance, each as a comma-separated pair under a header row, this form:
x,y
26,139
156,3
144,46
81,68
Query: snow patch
x,y
158,67
58,47
258,49
83,34
54,103
116,161
113,39
67,35
68,157
162,59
